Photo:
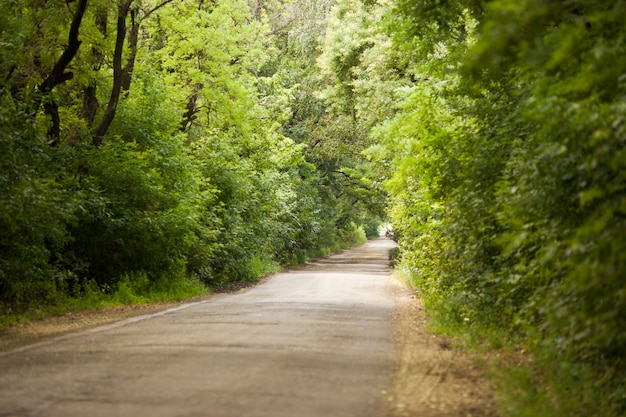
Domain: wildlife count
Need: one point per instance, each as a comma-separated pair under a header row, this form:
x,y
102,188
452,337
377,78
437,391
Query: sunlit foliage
x,y
144,149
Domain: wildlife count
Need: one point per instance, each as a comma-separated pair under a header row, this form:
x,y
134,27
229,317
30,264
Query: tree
x,y
183,173
504,181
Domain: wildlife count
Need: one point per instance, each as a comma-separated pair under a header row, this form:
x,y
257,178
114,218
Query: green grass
x,y
132,289
139,288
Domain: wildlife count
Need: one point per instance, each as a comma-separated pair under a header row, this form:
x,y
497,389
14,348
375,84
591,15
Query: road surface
x,y
315,341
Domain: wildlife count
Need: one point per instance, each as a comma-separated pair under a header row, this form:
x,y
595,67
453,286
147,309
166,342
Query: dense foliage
x,y
505,169
150,147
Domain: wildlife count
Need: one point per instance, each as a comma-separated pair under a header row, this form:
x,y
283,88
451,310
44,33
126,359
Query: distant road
x,y
315,341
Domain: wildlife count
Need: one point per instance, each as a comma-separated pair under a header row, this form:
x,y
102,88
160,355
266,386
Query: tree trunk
x,y
133,39
51,108
90,100
90,105
58,75
109,113
190,114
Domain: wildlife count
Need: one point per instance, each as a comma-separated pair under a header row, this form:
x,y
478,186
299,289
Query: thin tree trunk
x,y
90,105
190,114
90,99
58,75
109,113
51,109
122,75
133,39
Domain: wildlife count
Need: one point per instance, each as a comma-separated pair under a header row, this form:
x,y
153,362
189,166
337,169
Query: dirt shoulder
x,y
36,331
433,377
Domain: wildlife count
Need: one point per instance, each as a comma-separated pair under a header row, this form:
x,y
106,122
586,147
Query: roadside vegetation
x,y
156,149
505,170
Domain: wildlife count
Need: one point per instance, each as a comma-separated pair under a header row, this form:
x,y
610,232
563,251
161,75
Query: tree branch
x,y
58,75
281,27
157,7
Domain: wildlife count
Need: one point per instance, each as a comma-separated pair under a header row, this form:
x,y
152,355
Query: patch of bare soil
x,y
36,331
433,377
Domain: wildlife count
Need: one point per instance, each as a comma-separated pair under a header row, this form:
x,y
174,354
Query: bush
x,y
353,235
36,211
507,187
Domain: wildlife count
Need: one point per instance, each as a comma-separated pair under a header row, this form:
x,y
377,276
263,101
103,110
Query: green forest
x,y
156,149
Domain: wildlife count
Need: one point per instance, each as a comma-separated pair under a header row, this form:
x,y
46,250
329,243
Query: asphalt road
x,y
313,341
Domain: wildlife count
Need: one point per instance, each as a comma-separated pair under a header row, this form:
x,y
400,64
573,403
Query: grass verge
x,y
138,288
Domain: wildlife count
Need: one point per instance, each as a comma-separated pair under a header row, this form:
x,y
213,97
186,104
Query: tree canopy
x,y
151,144
153,141
506,183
